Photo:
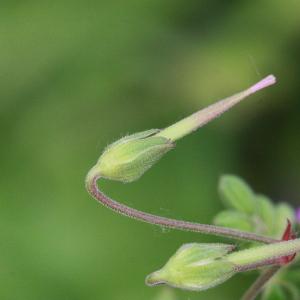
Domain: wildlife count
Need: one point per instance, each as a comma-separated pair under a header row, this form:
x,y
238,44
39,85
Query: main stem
x,y
256,288
92,187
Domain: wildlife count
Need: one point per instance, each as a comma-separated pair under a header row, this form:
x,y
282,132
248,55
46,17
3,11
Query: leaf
x,y
274,292
237,194
293,276
292,290
234,219
266,212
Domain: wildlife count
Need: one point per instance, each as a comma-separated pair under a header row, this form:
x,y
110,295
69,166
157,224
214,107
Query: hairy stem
x,y
92,187
253,257
260,282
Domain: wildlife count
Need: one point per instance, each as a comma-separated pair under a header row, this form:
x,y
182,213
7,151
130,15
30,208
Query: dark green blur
x,y
78,75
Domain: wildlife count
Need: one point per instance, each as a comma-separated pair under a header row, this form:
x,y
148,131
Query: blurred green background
x,y
77,75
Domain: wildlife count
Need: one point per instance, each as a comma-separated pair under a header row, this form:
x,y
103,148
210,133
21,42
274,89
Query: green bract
x,y
195,267
128,158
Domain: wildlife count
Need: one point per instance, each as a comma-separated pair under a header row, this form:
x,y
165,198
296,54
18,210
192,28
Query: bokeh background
x,y
77,75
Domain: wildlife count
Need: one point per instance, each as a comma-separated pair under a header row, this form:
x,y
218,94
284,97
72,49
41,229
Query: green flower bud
x,y
202,266
128,158
195,267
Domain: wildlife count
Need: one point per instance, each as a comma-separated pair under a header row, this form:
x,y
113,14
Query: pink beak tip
x,y
267,81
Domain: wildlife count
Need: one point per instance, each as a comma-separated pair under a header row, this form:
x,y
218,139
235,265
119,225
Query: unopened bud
x,y
195,267
128,158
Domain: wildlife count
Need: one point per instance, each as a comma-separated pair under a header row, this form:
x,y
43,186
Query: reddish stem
x,y
93,189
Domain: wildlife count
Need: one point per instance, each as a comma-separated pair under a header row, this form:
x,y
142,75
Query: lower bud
x,y
195,267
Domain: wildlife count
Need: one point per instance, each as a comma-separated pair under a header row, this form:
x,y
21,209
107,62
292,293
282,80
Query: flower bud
x,y
128,158
195,267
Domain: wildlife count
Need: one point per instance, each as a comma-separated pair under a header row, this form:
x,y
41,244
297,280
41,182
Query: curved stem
x,y
260,282
92,187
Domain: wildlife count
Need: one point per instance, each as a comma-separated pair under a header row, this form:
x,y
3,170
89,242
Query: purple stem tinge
x,y
92,187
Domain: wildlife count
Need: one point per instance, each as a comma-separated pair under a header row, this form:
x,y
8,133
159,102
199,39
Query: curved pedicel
x,y
92,187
